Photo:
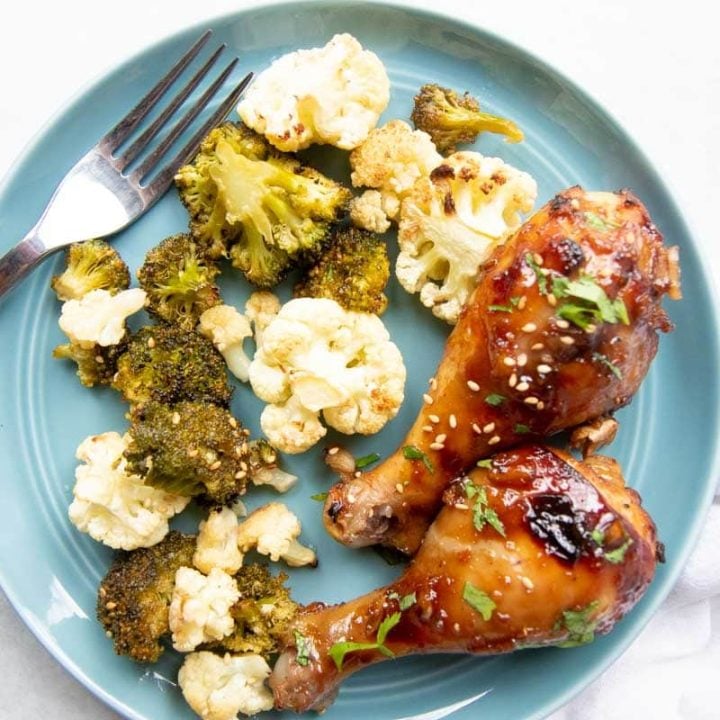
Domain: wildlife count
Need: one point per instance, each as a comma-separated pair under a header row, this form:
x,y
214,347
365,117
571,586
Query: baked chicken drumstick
x,y
561,329
533,549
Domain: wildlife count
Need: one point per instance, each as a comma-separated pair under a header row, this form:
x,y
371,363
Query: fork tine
x,y
164,178
123,129
151,160
136,148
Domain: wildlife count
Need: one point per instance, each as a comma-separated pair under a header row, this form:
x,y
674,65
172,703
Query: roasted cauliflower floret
x,y
391,160
217,545
264,467
452,221
218,688
332,95
98,318
114,506
353,271
134,597
167,364
450,118
261,307
228,329
272,530
91,265
317,357
179,281
200,605
367,212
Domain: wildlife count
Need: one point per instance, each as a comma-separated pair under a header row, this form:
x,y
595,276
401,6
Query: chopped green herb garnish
x,y
618,555
482,514
604,360
410,452
339,650
591,304
320,497
521,429
539,275
478,600
598,223
494,399
404,602
598,536
302,647
366,460
581,629
500,308
487,464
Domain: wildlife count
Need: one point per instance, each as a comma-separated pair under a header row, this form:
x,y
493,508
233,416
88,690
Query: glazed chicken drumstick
x,y
561,329
535,548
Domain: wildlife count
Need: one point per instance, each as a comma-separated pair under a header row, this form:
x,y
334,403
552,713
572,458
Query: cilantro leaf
x,y
410,452
494,399
386,626
616,556
302,655
365,460
604,360
487,464
340,649
598,536
320,497
479,601
521,429
500,308
580,628
598,223
542,281
590,303
407,601
482,514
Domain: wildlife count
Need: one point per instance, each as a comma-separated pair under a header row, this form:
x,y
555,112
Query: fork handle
x,y
18,261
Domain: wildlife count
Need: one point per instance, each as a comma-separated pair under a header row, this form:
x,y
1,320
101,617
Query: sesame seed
x,y
428,399
436,446
99,359
546,358
477,429
462,506
529,327
497,593
111,605
399,487
541,405
489,427
233,422
243,465
215,465
527,582
537,346
333,451
452,421
473,385
522,302
552,299
209,457
512,382
567,340
434,419
544,369
522,360
192,452
357,475
151,342
532,400
562,324
494,440
433,383
175,419
427,428
240,474
522,386
456,627
538,258
441,438
510,362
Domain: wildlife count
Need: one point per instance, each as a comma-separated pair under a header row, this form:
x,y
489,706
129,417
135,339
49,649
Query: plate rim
x,y
641,616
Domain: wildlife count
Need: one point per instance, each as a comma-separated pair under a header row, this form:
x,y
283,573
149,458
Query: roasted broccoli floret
x,y
262,613
96,365
261,206
179,281
167,364
134,597
353,271
451,119
190,448
91,265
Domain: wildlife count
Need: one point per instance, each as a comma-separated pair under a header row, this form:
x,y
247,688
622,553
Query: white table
x,y
654,65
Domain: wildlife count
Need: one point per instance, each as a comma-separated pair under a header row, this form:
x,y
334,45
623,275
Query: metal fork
x,y
98,197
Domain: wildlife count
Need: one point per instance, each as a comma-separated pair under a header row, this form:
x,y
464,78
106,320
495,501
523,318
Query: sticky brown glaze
x,y
510,342
586,514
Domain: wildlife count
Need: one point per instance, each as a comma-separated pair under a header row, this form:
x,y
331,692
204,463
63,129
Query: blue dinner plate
x,y
667,441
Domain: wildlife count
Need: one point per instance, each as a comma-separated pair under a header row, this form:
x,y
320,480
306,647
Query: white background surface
x,y
654,65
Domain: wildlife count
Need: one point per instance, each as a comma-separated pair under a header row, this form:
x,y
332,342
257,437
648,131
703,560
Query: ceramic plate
x,y
667,441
